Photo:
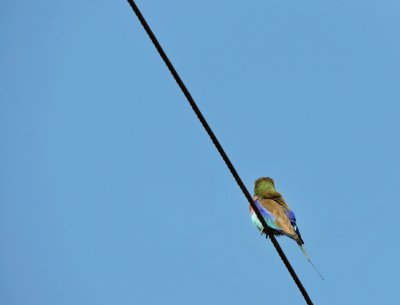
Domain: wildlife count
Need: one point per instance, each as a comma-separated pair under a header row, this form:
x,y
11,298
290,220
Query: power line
x,y
219,148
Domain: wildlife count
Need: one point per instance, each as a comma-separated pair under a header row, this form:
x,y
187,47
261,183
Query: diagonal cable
x,y
219,148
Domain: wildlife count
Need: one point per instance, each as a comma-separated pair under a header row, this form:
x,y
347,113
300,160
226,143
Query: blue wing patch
x,y
292,218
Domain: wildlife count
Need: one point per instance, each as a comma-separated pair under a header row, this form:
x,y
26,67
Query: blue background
x,y
112,193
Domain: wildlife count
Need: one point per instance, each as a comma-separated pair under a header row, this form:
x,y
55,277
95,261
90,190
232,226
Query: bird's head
x,y
264,185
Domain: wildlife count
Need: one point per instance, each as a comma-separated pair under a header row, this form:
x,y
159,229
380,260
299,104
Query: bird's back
x,y
279,209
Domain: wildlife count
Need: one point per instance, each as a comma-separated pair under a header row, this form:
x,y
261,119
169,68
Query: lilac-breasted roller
x,y
276,213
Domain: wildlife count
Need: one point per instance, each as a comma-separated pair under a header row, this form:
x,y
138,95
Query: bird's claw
x,y
264,232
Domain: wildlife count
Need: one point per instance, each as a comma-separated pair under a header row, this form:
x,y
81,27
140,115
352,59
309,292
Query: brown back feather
x,y
277,207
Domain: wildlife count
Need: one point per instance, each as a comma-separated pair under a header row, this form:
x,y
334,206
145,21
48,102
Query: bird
x,y
276,213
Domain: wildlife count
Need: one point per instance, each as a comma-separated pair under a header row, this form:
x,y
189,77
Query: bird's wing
x,y
292,217
281,220
267,215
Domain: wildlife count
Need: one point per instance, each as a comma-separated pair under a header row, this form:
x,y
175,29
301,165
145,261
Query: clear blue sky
x,y
111,192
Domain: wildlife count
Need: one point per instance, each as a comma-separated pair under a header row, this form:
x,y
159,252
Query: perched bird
x,y
276,213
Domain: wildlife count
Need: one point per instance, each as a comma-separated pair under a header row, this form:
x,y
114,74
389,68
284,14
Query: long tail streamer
x,y
309,259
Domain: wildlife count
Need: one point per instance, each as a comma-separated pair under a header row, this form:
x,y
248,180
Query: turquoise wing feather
x,y
268,217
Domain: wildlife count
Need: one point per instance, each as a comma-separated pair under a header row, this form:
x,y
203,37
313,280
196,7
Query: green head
x,y
264,185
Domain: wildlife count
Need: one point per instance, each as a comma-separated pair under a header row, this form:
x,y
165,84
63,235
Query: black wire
x,y
219,148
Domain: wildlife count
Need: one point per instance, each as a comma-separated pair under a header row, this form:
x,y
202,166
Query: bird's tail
x,y
308,258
